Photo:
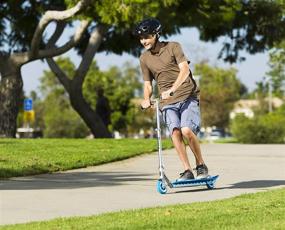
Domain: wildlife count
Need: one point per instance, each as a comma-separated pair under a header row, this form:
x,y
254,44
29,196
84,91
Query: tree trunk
x,y
74,86
90,117
11,86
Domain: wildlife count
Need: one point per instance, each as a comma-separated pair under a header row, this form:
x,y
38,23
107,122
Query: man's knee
x,y
187,132
176,132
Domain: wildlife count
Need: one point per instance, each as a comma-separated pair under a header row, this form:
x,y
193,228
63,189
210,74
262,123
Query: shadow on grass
x,y
6,173
74,180
6,142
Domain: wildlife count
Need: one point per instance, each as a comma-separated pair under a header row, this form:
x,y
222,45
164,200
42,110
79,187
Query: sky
x,y
250,71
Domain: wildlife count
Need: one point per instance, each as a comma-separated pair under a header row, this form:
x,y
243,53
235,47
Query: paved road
x,y
132,183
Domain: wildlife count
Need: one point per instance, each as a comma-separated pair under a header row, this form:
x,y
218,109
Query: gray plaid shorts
x,y
183,114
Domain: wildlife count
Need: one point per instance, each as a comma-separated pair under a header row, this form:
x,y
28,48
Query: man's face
x,y
148,41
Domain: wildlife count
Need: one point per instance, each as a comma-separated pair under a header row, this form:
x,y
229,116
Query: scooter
x,y
163,182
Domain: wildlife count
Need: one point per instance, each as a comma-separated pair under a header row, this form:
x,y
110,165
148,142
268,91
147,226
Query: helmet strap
x,y
156,41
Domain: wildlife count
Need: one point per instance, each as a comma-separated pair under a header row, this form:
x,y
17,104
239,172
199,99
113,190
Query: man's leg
x,y
180,148
190,123
172,120
193,144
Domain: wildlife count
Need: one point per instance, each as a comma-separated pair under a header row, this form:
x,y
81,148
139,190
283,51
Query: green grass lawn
x,y
20,157
264,210
226,140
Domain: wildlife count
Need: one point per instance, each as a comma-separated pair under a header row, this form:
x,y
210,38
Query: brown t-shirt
x,y
162,66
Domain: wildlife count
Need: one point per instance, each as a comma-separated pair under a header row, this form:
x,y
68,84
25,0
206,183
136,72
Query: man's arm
x,y
182,76
147,94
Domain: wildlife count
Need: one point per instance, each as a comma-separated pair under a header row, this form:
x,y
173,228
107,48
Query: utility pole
x,y
269,94
197,79
270,98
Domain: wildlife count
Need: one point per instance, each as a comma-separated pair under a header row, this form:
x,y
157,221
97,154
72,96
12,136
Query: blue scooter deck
x,y
209,181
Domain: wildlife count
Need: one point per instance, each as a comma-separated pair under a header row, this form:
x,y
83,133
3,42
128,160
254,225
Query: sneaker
x,y
202,171
186,175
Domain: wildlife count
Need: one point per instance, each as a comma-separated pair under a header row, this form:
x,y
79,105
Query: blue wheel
x,y
161,187
210,185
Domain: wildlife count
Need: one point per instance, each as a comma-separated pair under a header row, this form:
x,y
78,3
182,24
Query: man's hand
x,y
145,104
166,94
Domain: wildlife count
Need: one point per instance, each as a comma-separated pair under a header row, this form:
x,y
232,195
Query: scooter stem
x,y
158,131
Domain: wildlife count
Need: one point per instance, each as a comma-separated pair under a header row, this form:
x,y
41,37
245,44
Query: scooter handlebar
x,y
153,101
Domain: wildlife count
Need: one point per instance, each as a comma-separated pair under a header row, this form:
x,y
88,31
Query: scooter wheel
x,y
210,185
161,187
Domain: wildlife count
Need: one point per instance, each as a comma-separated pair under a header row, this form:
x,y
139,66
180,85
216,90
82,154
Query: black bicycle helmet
x,y
148,26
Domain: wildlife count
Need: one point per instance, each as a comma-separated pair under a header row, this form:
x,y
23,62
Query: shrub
x,y
269,128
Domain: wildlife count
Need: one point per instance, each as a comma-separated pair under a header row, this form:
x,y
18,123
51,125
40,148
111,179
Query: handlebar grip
x,y
151,103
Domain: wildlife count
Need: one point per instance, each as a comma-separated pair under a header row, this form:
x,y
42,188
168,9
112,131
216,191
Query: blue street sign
x,y
28,104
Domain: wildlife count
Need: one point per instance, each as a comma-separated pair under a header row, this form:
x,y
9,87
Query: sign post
x,y
29,113
28,104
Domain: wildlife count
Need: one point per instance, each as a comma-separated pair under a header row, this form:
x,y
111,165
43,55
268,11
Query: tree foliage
x,y
246,25
60,119
220,88
120,86
19,19
251,25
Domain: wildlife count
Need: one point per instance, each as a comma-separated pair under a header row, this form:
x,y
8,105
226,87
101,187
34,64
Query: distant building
x,y
246,106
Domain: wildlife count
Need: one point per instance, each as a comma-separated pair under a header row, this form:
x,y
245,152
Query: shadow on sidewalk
x,y
257,184
74,180
240,185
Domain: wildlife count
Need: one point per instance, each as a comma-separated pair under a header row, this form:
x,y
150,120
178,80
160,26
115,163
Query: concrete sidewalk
x,y
131,183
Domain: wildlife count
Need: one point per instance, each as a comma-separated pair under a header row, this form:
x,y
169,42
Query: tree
x,y
73,84
25,44
117,86
250,25
277,69
220,88
58,119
